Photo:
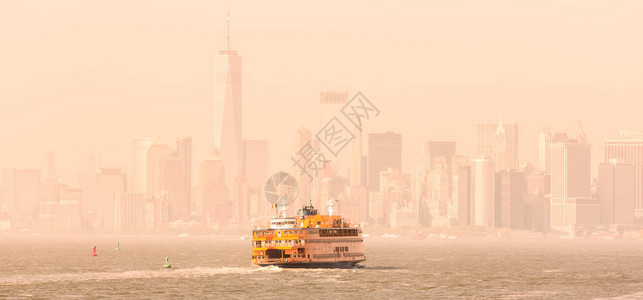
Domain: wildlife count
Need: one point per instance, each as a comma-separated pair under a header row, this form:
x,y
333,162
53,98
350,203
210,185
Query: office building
x,y
483,184
499,142
616,192
227,111
571,201
384,152
628,148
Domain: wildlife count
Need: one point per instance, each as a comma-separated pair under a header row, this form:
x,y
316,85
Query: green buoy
x,y
118,245
167,262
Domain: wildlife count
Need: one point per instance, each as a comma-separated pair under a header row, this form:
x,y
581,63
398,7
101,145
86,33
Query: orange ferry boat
x,y
309,240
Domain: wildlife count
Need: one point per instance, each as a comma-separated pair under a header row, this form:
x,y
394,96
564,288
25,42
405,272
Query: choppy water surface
x,y
215,267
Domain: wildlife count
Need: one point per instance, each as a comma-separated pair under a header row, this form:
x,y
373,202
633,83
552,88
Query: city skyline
x,y
164,174
190,101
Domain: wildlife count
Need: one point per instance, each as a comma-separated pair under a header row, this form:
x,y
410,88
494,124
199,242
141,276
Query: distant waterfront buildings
x,y
510,199
256,162
460,209
168,174
537,204
216,206
240,199
130,212
431,150
616,192
400,210
139,167
110,181
544,154
67,218
27,189
256,174
571,201
483,184
156,150
437,157
384,152
628,148
184,152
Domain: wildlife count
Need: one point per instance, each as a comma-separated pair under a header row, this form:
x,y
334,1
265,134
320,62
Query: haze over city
x,y
395,150
97,75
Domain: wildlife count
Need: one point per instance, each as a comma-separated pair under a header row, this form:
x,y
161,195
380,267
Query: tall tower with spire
x,y
227,110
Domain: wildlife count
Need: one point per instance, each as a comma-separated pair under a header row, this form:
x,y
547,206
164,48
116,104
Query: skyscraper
x,y
302,168
437,157
628,148
571,202
255,162
384,152
130,211
27,192
256,174
154,151
461,190
330,105
168,179
67,218
139,168
510,199
433,149
227,110
184,151
616,191
110,181
499,141
544,155
483,192
216,204
240,201
356,156
537,206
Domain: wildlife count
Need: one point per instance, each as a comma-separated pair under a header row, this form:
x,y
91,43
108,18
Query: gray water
x,y
216,267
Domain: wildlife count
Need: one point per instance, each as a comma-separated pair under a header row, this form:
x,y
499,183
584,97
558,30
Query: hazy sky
x,y
86,77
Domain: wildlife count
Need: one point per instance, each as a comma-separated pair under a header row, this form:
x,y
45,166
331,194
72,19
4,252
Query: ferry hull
x,y
315,265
